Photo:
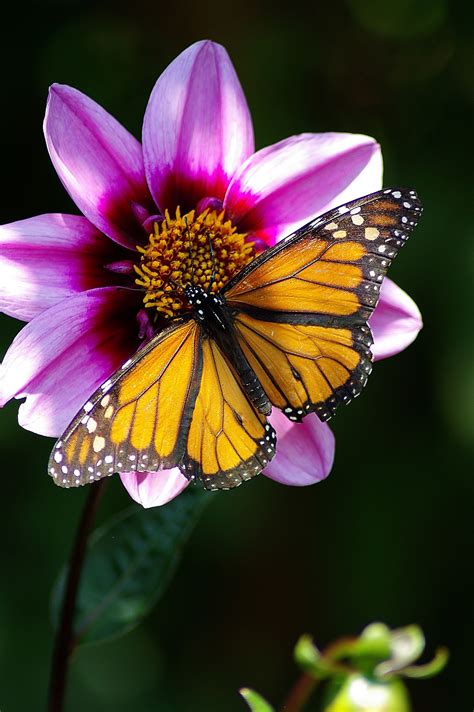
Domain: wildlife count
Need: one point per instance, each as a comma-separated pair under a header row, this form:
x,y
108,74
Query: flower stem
x,y
64,642
299,693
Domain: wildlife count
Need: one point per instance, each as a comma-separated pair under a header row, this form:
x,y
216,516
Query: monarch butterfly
x,y
290,330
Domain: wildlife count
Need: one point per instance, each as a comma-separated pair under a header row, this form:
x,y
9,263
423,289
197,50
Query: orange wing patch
x,y
308,278
306,368
229,441
138,420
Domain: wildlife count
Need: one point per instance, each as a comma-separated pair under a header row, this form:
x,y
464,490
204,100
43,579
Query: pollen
x,y
187,250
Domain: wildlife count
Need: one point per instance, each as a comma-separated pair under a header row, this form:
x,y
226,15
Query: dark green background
x,y
387,535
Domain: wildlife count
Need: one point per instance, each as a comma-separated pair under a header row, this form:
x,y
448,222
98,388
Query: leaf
x,y
129,563
255,701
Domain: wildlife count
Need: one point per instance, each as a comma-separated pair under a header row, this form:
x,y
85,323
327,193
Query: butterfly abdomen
x,y
251,383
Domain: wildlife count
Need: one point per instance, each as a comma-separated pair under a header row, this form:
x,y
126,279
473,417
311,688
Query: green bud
x,y
309,659
358,693
255,701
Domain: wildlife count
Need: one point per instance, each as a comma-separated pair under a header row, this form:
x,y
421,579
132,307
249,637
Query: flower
x,y
363,673
70,277
359,674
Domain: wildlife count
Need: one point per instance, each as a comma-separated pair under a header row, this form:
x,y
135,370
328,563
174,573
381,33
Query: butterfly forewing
x,y
138,420
301,308
332,268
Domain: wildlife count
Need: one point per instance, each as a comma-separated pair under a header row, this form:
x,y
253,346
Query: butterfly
x,y
290,331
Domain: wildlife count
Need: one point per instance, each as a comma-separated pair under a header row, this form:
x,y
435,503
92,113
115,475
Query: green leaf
x,y
255,701
129,563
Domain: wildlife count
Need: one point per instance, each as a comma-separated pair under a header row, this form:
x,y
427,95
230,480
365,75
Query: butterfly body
x,y
289,331
211,311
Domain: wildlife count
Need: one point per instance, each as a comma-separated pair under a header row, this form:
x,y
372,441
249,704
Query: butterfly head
x,y
205,305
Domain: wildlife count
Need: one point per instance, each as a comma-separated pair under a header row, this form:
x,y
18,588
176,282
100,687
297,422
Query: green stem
x,y
64,641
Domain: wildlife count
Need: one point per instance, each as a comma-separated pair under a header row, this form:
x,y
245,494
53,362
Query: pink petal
x,y
395,322
65,353
152,489
285,185
197,128
48,258
99,162
305,451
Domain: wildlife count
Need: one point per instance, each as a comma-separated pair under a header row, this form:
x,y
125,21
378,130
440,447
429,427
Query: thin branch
x,y
299,693
64,642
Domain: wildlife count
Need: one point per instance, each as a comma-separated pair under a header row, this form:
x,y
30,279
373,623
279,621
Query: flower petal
x,y
395,322
48,258
152,489
283,186
65,353
99,162
197,128
305,451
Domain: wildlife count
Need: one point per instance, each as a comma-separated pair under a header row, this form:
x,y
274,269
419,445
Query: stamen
x,y
179,253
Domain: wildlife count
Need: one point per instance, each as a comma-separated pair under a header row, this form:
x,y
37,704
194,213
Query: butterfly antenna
x,y
213,258
190,244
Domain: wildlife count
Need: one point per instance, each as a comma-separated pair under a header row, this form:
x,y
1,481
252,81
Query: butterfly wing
x,y
177,402
137,420
229,441
301,308
304,368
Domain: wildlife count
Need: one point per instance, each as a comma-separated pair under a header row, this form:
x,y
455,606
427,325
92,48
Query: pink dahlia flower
x,y
72,278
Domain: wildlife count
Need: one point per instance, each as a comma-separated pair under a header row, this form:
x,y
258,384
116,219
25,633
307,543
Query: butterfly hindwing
x,y
137,420
303,367
229,441
301,308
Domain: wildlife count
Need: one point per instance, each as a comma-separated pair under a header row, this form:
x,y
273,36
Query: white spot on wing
x,y
98,444
91,425
371,233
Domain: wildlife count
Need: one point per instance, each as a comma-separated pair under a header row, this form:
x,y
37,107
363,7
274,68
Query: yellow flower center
x,y
188,250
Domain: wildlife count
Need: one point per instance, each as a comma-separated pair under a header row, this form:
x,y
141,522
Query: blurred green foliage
x,y
130,561
387,535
